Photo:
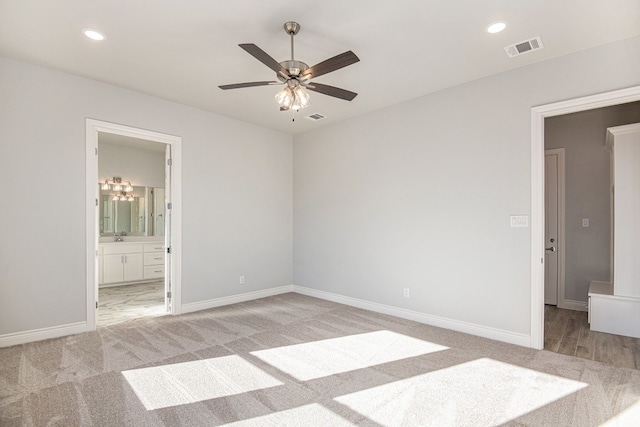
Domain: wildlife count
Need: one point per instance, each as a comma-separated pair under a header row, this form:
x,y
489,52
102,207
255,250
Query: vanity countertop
x,y
131,239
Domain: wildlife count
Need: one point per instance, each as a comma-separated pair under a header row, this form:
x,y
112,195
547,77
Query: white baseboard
x,y
570,304
428,319
456,325
233,299
16,338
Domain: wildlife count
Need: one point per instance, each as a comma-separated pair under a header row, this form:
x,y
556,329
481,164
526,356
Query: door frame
x,y
538,114
92,128
560,152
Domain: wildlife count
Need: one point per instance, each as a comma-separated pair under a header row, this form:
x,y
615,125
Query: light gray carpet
x,y
300,361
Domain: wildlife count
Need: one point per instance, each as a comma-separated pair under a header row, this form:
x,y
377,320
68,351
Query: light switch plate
x,y
519,220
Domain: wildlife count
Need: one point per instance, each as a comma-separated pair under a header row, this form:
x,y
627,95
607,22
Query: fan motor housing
x,y
294,69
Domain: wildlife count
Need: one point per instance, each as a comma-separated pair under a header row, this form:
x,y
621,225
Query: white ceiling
x,y
182,50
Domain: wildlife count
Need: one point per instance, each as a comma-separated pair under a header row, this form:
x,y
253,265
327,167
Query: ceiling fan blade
x,y
331,64
264,57
336,92
250,84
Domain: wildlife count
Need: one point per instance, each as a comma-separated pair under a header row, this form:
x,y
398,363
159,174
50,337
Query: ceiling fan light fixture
x,y
285,98
295,98
302,95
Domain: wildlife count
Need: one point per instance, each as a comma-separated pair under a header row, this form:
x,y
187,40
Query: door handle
x,y
552,249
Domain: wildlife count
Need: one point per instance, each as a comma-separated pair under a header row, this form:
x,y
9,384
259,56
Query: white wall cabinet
x,y
625,146
615,307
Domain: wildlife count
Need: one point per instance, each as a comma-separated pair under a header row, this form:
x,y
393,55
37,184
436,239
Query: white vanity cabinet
x,y
154,260
122,262
126,262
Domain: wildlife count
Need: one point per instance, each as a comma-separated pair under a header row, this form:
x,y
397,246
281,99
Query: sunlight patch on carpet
x,y
482,392
313,415
188,382
628,417
336,355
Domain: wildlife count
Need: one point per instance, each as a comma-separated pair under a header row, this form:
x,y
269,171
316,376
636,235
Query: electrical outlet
x,y
406,292
242,280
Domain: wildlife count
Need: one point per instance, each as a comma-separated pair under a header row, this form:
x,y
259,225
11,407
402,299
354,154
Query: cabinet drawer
x,y
154,272
121,248
154,247
154,258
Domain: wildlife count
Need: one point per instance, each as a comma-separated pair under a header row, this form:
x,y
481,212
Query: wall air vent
x,y
315,117
524,47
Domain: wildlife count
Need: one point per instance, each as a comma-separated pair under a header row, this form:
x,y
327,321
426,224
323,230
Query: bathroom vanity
x,y
130,262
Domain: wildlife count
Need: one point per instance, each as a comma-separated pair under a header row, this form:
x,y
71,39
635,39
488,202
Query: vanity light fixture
x,y
123,196
117,184
122,188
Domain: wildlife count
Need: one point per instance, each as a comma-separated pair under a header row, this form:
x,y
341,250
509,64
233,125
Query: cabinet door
x,y
112,268
133,267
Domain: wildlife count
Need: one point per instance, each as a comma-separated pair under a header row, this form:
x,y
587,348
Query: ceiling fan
x,y
296,75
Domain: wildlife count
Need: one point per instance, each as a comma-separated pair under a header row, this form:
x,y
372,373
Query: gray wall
x,y
582,135
237,195
419,195
144,168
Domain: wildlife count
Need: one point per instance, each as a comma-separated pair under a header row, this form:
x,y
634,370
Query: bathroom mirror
x,y
142,216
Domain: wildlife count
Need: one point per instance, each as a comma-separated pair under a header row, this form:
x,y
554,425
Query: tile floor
x,y
124,303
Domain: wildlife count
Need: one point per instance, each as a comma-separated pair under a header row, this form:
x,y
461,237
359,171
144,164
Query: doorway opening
x,y
133,223
131,220
538,116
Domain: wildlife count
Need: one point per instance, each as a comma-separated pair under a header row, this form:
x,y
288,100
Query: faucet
x,y
119,237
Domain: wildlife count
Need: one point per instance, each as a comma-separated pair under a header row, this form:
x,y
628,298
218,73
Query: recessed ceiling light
x,y
93,34
496,27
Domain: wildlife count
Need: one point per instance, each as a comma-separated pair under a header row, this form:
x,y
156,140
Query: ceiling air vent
x,y
524,47
315,117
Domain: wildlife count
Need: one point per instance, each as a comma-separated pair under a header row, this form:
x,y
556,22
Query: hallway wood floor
x,y
567,332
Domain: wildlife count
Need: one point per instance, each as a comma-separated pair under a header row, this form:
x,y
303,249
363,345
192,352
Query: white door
x,y
167,229
551,265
